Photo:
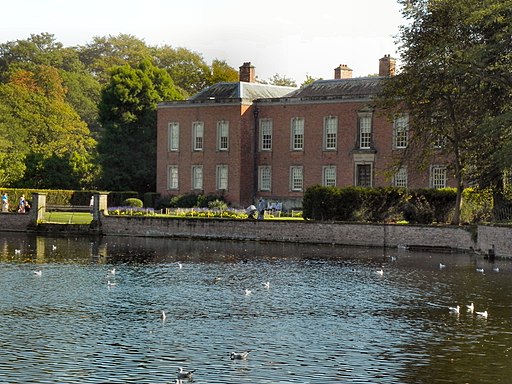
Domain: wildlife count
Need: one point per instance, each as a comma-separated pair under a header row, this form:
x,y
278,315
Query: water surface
x,y
328,316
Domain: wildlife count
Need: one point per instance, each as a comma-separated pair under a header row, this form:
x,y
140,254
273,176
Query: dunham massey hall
x,y
244,140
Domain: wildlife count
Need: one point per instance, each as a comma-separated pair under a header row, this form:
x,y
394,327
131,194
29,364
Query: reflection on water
x,y
327,316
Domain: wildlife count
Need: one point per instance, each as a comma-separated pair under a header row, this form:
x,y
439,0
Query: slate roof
x,y
335,89
361,87
241,90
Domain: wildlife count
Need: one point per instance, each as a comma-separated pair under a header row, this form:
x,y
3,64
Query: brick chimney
x,y
387,66
342,72
247,73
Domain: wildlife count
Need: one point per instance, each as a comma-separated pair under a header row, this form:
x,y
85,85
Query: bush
x,y
218,204
133,202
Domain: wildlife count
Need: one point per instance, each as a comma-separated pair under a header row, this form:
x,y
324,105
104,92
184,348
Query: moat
x,y
327,316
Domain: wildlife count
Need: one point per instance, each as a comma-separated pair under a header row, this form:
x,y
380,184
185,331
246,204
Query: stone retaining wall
x,y
371,235
481,239
15,222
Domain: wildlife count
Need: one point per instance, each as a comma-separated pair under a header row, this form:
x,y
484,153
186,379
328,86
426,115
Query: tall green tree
x,y
128,114
448,81
82,88
42,128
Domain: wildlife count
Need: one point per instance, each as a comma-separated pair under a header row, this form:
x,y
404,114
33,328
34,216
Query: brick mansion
x,y
243,140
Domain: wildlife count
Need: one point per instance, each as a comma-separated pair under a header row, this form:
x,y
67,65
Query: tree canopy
x,y
455,84
57,103
128,114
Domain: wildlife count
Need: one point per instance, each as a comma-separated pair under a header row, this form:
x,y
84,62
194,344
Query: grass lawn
x,y
68,217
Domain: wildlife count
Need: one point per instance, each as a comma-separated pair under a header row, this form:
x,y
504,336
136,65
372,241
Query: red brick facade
x,y
245,106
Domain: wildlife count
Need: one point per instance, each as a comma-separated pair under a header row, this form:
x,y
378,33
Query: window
x,y
439,142
173,134
266,134
330,132
298,133
363,175
222,135
437,176
400,178
264,178
329,176
197,134
400,131
222,177
197,177
296,178
172,177
365,132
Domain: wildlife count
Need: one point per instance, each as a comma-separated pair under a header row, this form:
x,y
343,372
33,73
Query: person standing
x,y
5,202
261,208
21,204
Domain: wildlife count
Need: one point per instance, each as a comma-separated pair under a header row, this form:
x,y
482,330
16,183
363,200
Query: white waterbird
x,y
238,355
455,309
482,314
182,374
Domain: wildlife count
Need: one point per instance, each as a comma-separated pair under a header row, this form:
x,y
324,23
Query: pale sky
x,y
287,37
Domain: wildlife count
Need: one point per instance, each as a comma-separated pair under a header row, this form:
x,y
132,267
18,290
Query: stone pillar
x,y
38,208
100,204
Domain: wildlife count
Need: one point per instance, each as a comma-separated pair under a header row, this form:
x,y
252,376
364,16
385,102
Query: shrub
x,y
217,204
133,202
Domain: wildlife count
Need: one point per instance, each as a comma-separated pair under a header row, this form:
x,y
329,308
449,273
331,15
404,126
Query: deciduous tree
x,y
452,82
128,114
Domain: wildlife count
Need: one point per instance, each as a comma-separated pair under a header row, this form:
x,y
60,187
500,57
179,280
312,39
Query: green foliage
x,y
379,205
217,204
151,199
331,203
191,200
133,202
454,82
116,198
477,205
128,113
50,113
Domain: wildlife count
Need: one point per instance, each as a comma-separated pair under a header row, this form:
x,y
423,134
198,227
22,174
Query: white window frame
x,y
197,177
297,134
296,178
401,131
198,135
365,131
173,133
400,179
223,135
222,177
265,134
330,133
329,175
172,177
265,178
438,176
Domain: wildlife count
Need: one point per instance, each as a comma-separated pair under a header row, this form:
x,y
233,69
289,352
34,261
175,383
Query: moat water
x,y
327,316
